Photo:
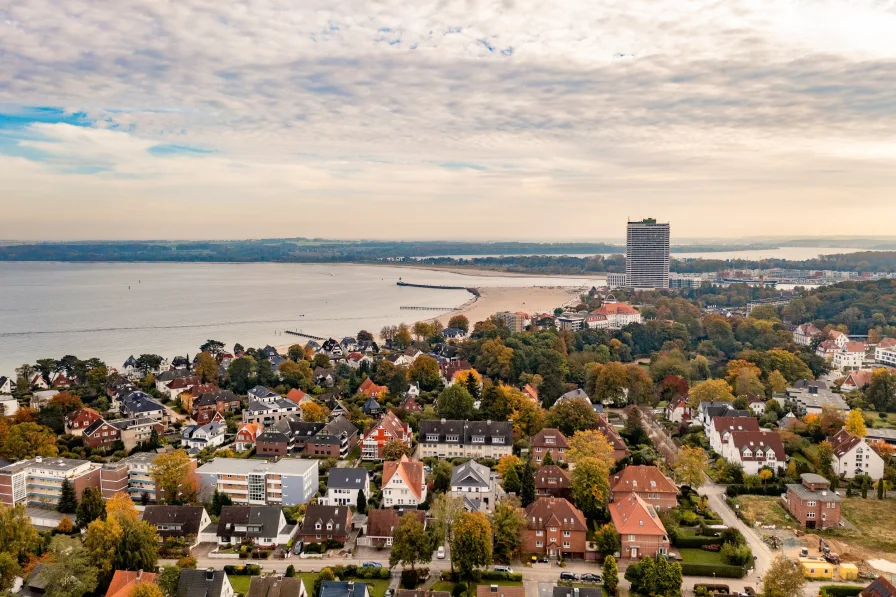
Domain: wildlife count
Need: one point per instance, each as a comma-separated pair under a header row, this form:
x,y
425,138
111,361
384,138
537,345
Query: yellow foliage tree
x,y
146,589
314,412
462,376
65,525
711,390
172,473
506,463
120,506
590,443
855,423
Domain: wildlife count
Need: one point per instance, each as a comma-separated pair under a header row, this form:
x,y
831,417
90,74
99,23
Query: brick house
x,y
641,532
272,443
336,439
548,441
101,435
553,527
620,450
813,503
381,525
371,390
649,482
388,428
76,422
209,403
325,522
551,480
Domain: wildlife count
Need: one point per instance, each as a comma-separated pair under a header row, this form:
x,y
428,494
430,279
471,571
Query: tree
x,y
326,574
445,510
17,535
362,502
471,543
9,570
656,577
548,460
172,473
426,373
611,574
410,543
402,337
206,367
27,440
507,522
747,382
590,485
69,572
147,363
512,483
68,501
240,374
454,403
314,412
146,589
507,462
219,500
571,415
590,443
459,322
394,449
611,383
290,571
168,579
776,382
824,460
212,347
881,392
689,470
496,359
527,484
783,579
65,402
441,476
607,540
711,390
855,423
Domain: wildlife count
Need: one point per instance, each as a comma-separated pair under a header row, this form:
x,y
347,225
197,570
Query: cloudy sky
x,y
519,119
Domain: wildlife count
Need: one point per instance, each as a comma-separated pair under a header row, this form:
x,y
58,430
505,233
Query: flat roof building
x,y
286,482
647,254
38,482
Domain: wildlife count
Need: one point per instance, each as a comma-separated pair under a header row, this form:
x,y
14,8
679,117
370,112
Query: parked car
x,y
506,569
592,577
297,548
441,553
372,565
569,576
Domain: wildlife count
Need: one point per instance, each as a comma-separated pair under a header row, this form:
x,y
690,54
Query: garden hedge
x,y
247,570
840,590
736,490
685,542
720,570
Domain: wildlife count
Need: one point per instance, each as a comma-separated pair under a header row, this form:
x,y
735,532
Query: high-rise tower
x,y
647,254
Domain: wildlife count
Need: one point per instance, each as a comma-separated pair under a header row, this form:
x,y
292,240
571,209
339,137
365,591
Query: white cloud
x,y
370,118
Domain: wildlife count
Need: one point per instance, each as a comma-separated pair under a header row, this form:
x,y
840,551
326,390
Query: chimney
x,y
209,574
575,591
139,574
444,421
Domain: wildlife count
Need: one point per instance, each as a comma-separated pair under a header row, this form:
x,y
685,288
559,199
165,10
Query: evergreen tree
x,y
219,500
91,507
290,571
362,502
865,487
68,502
512,481
154,442
611,574
547,460
527,485
880,489
472,386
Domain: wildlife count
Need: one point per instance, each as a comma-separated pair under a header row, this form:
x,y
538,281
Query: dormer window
x,y
432,437
452,438
329,526
498,440
478,439
317,526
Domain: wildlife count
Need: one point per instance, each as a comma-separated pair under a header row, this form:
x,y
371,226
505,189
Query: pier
x,y
304,335
473,291
429,308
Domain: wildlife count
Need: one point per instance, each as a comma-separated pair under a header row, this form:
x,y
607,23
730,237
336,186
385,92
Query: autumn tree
x,y
611,574
776,382
65,402
611,383
460,322
496,359
507,462
824,460
590,485
410,543
445,510
9,570
855,423
122,541
455,403
571,415
881,392
590,443
17,534
315,413
394,449
689,470
711,390
783,579
27,440
69,571
172,473
424,371
206,367
508,523
146,589
471,544
91,507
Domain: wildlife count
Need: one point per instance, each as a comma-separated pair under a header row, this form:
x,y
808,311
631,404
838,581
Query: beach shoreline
x,y
532,299
475,272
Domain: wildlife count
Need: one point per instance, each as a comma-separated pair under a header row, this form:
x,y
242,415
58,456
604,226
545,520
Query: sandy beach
x,y
538,299
493,273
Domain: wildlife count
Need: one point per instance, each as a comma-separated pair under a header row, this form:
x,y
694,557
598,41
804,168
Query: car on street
x,y
297,548
440,554
592,577
372,565
506,569
569,576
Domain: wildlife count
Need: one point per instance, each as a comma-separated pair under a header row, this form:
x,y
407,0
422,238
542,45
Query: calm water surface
x,y
113,310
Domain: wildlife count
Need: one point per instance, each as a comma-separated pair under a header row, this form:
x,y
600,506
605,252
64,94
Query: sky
x,y
448,119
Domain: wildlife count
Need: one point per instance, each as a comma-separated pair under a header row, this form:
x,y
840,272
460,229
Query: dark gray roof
x,y
338,588
821,495
470,474
338,426
578,592
263,521
201,583
272,437
273,586
466,430
188,517
347,478
262,392
317,513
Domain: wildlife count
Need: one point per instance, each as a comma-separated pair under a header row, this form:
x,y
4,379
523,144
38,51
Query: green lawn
x,y
700,556
240,583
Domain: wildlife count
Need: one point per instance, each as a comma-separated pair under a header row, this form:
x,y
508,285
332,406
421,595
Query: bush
x,y
495,575
720,570
290,571
736,490
882,415
736,555
247,570
840,590
711,547
459,589
689,518
683,541
409,579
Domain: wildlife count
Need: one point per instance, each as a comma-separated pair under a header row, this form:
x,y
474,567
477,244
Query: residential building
x,y
404,483
813,503
810,397
515,322
138,405
76,422
531,392
572,394
722,427
756,404
617,280
554,527
133,476
196,438
371,390
620,449
104,435
570,322
551,480
707,411
335,439
856,380
387,429
371,407
548,441
487,590
885,352
41,399
344,486
8,405
264,525
323,523
880,587
678,410
204,583
647,254
853,456
649,483
755,450
471,439
339,588
804,334
206,405
179,385
277,586
7,385
381,525
297,431
269,411
246,436
177,522
618,314
850,357
286,482
38,482
641,532
477,485
262,393
124,581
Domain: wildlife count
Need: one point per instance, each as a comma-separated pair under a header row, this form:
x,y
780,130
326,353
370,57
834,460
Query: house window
x,y
539,544
538,449
553,529
452,438
432,437
567,534
631,537
566,544
539,533
810,515
810,504
317,526
498,440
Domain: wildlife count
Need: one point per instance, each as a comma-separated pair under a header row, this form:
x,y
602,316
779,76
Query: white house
x,y
756,404
477,485
885,353
722,428
618,314
264,525
850,356
403,483
678,410
344,485
195,437
853,456
803,334
8,405
7,385
754,450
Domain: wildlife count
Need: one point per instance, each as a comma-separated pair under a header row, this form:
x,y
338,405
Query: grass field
x,y
875,520
766,509
240,583
700,556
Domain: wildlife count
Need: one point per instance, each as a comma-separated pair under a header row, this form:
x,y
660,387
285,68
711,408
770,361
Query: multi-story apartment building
x,y
551,480
387,429
471,439
755,450
404,483
38,482
133,476
516,322
554,527
813,503
649,482
335,439
77,421
206,405
548,441
286,482
269,411
641,532
854,456
476,485
617,314
885,353
647,254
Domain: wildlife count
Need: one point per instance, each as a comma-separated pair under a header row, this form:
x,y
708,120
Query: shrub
x,y
459,589
684,541
247,570
736,555
720,570
773,490
711,547
840,590
290,571
409,579
689,518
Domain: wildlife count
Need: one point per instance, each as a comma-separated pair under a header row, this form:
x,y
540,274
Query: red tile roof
x,y
123,582
633,516
754,440
554,512
411,471
642,478
550,477
615,309
541,439
732,424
